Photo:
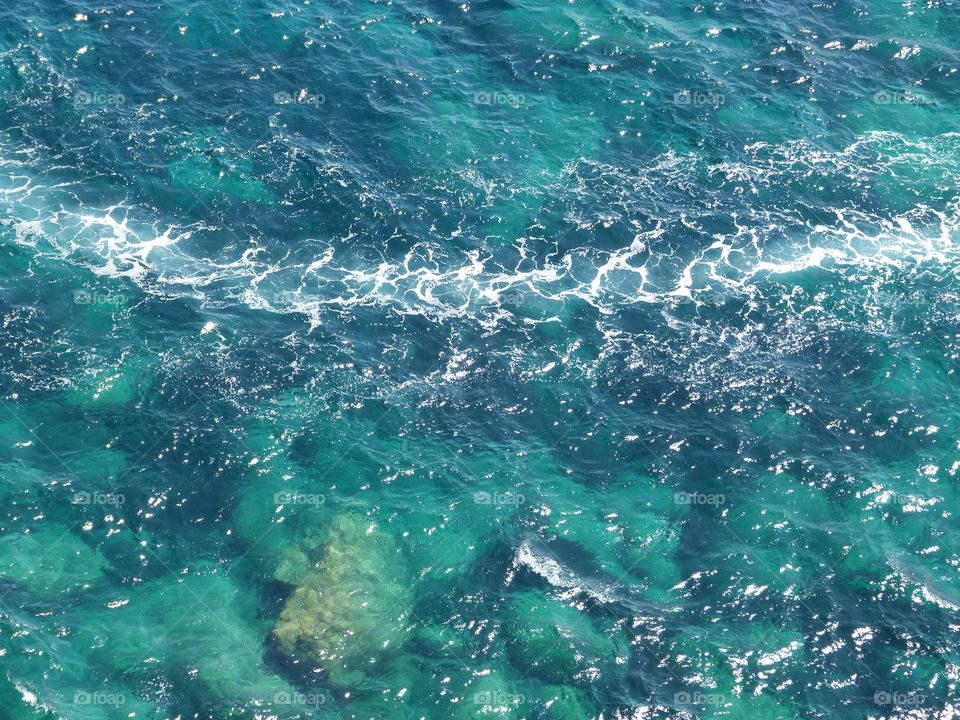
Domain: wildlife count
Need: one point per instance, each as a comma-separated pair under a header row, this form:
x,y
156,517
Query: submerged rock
x,y
784,524
293,568
210,165
214,638
728,668
554,641
491,695
439,641
18,704
650,520
567,510
49,560
752,707
110,383
349,612
628,530
566,703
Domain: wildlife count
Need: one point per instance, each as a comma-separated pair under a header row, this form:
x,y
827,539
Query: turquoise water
x,y
511,359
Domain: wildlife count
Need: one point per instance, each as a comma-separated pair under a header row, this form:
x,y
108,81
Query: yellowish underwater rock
x,y
350,610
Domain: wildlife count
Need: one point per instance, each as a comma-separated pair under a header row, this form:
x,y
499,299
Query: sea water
x,y
504,359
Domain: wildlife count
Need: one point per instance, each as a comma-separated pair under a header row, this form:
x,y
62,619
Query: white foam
x,y
433,280
557,574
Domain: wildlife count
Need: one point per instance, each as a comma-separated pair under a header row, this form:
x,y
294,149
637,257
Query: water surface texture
x,y
521,359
